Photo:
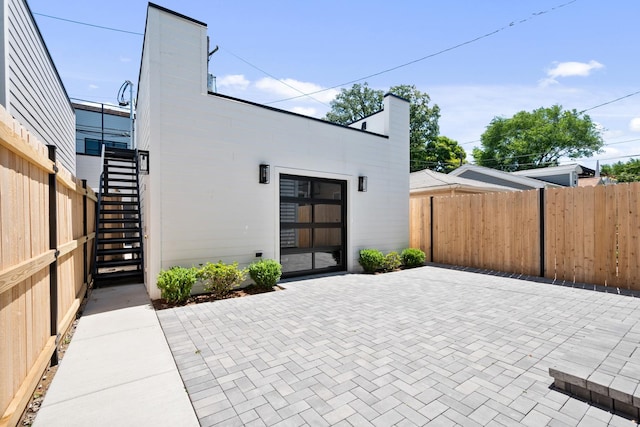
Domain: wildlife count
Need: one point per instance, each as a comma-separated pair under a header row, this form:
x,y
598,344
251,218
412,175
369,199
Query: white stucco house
x,y
233,180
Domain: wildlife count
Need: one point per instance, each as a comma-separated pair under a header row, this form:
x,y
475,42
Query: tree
x,y
537,139
441,155
360,101
354,104
623,172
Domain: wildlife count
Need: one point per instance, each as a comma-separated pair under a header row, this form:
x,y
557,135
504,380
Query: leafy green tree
x,y
360,101
354,104
537,139
623,172
441,155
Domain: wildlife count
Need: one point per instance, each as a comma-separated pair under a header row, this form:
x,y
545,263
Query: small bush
x,y
265,273
371,260
391,261
412,257
175,284
221,278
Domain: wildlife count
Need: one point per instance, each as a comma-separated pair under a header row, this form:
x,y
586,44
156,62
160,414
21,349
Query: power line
x,y
274,77
88,25
612,101
489,34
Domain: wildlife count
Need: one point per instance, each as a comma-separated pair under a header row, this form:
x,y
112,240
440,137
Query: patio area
x,y
428,346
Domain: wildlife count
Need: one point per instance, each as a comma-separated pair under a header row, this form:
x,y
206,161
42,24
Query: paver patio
x,y
427,346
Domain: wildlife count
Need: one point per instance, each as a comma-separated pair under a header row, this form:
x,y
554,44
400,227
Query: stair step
x,y
119,230
128,154
113,168
118,262
111,179
129,195
119,240
117,251
119,220
118,202
120,187
118,211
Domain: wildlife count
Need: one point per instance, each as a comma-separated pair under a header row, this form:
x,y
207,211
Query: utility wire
x,y
274,77
227,50
489,34
88,25
612,101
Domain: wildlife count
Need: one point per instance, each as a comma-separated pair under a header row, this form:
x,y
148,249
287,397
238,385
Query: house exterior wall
x,y
108,125
32,91
98,123
374,123
89,168
202,200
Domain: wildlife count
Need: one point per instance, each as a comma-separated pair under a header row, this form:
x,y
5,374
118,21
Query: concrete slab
x,y
118,369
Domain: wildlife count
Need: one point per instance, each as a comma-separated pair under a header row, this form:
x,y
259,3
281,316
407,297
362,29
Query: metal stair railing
x,y
141,236
95,241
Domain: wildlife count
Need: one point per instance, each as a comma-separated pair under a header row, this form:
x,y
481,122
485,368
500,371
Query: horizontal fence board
x,y
16,274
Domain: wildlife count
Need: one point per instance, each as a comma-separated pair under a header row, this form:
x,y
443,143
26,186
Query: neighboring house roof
x,y
595,181
496,177
101,108
427,180
565,175
551,170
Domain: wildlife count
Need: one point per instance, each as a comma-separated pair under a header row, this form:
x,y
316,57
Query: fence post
x,y
431,228
53,244
542,223
84,231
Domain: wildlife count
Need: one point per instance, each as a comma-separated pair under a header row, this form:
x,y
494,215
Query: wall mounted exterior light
x,y
143,162
362,183
264,174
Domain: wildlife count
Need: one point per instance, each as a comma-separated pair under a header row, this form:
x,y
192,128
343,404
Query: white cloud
x,y
233,81
634,124
306,111
125,59
289,88
93,87
570,69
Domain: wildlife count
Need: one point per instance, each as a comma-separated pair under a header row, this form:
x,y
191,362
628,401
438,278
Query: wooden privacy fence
x,y
585,235
47,224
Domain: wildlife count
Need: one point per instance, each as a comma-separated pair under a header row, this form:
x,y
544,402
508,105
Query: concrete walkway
x,y
428,346
118,370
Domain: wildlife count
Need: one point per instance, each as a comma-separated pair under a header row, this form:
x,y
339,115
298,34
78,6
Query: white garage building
x,y
232,180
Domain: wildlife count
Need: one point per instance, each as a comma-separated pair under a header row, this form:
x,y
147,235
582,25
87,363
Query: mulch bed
x,y
162,304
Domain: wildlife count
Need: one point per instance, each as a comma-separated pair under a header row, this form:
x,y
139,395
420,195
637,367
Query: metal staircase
x,y
119,249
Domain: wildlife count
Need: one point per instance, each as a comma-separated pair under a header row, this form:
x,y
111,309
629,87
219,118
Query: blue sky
x,y
580,55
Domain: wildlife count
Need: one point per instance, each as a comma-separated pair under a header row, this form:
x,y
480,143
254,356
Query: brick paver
x,y
427,346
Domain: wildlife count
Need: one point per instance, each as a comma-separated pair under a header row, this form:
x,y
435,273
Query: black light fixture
x,y
362,183
264,174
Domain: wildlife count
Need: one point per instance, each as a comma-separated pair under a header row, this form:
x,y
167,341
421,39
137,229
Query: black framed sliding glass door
x,y
313,231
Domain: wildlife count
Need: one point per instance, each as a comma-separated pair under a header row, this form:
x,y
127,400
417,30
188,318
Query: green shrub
x,y
371,260
391,261
175,284
412,257
221,278
265,273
